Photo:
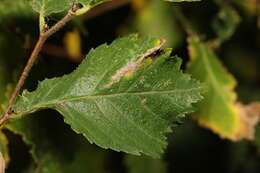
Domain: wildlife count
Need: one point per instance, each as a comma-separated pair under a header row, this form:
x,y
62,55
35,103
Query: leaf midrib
x,y
214,83
60,101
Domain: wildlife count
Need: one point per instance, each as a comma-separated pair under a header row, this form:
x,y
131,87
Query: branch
x,y
44,35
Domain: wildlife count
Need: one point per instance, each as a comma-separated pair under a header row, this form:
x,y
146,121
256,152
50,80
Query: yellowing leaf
x,y
219,110
72,43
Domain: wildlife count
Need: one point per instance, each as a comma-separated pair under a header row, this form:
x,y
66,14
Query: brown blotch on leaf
x,y
249,116
143,101
62,104
133,66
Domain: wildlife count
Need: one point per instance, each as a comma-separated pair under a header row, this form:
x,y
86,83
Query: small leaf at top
x,y
47,7
123,96
14,9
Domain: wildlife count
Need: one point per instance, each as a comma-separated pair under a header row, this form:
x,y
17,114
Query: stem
x,y
44,35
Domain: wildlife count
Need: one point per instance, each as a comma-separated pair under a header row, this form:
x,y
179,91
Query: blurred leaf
x,y
72,41
125,104
225,23
51,6
158,19
15,8
219,110
137,164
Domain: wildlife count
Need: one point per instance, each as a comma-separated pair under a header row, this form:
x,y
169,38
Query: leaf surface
x,y
116,102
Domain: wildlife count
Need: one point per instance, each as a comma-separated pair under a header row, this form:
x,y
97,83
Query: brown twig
x,y
44,35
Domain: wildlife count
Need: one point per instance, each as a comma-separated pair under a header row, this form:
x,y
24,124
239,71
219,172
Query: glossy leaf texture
x,y
116,102
219,111
47,7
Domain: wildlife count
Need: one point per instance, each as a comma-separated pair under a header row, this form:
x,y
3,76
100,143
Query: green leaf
x,y
219,111
143,164
47,7
158,19
118,101
14,9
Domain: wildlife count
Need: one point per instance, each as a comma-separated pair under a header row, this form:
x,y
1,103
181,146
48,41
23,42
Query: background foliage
x,y
219,43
